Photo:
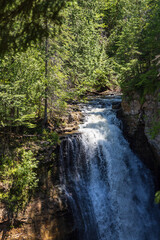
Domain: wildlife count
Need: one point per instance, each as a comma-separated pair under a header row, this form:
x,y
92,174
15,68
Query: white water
x,y
111,192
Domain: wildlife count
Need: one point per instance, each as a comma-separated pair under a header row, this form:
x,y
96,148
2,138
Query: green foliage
x,y
50,136
133,34
24,22
99,45
18,174
155,130
36,85
22,88
80,56
157,197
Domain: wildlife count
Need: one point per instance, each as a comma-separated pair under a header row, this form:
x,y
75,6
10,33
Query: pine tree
x,y
23,22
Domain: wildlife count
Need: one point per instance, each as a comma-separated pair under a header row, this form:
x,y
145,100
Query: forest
x,y
48,58
56,52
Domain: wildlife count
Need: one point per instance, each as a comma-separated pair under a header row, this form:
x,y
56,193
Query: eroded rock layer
x,y
142,128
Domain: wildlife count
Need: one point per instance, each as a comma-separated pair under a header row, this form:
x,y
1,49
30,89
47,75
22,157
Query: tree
x,y
133,42
19,178
23,22
81,47
22,88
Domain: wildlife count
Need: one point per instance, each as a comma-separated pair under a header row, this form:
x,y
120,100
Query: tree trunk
x,y
46,84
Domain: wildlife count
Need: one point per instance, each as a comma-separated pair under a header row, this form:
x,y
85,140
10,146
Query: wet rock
x,y
116,105
72,120
142,128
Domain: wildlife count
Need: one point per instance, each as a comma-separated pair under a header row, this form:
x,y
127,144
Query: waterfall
x,y
110,191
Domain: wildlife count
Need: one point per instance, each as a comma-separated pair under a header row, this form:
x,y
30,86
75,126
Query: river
x,y
110,191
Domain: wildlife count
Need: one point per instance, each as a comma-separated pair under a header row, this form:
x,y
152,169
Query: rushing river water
x,y
110,191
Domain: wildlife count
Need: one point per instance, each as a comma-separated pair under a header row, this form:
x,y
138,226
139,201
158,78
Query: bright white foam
x,y
113,182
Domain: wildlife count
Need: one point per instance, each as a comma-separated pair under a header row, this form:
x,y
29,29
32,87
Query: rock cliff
x,y
47,216
142,128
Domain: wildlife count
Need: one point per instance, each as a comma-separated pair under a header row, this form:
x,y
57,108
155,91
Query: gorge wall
x,y
47,215
142,128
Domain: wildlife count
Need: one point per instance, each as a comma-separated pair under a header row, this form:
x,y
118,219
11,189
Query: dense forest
x,y
49,58
55,52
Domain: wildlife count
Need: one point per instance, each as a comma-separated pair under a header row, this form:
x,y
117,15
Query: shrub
x,y
19,178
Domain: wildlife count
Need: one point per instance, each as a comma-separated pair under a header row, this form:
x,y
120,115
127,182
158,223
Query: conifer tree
x,y
23,22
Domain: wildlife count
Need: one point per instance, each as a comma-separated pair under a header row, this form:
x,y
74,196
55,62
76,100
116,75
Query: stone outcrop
x,y
47,216
71,120
142,128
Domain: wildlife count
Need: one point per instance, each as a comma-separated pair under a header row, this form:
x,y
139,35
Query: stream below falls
x,y
110,191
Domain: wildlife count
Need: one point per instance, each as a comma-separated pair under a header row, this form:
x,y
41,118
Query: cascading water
x,y
110,191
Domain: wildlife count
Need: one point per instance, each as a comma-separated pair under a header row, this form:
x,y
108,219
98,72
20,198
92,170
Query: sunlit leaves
x,y
19,179
22,86
157,197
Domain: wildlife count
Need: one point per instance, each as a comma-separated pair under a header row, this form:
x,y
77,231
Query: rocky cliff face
x,y
142,128
47,216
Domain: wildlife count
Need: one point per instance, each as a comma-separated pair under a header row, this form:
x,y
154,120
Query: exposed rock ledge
x,y
71,120
142,128
45,218
48,215
73,116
